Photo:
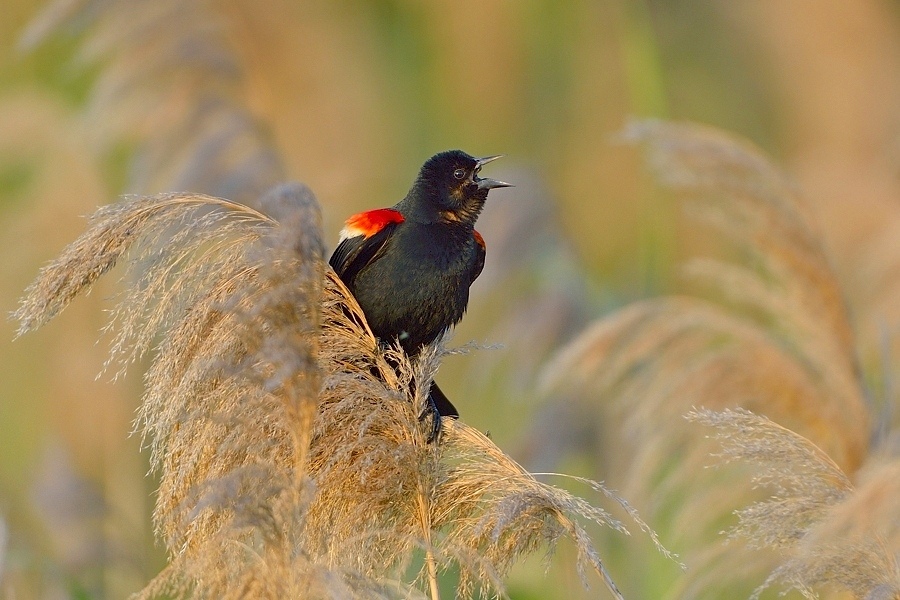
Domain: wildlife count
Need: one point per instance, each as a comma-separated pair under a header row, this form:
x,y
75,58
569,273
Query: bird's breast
x,y
419,287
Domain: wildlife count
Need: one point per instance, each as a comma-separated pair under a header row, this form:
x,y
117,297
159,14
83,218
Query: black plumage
x,y
410,266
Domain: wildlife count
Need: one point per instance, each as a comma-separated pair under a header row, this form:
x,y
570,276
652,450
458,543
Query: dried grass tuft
x,y
172,78
291,456
771,335
776,337
802,516
806,481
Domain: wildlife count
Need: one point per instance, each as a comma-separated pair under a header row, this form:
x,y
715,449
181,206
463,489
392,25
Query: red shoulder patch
x,y
478,239
370,222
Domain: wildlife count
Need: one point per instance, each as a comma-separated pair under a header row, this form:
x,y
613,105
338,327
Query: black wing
x,y
353,254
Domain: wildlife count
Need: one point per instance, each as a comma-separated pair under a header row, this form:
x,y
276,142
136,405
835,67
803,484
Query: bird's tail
x,y
441,402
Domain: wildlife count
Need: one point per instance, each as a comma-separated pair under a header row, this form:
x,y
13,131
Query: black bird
x,y
410,266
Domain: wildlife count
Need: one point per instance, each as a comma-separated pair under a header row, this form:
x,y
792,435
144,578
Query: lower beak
x,y
489,184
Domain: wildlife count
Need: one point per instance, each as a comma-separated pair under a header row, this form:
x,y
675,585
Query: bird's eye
x,y
459,173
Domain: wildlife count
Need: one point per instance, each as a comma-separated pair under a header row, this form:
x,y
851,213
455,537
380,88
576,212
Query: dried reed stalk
x,y
291,457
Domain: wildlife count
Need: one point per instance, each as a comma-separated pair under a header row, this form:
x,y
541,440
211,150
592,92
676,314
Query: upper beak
x,y
488,184
480,162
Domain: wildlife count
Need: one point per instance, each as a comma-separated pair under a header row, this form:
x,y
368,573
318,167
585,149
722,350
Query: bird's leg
x,y
431,410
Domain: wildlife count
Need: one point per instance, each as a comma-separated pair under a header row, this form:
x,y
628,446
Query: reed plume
x,y
287,439
823,526
772,335
172,80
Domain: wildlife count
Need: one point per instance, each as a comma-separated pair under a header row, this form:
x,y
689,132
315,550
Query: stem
x,y
430,562
432,573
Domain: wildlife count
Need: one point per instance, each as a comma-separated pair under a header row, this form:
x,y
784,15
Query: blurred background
x,y
100,98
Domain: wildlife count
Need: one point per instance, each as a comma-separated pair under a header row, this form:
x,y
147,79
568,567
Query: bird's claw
x,y
432,411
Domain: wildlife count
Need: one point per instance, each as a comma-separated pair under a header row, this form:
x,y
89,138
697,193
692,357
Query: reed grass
x,y
764,350
291,457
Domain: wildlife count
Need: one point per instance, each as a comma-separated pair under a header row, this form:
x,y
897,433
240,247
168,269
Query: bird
x,y
410,266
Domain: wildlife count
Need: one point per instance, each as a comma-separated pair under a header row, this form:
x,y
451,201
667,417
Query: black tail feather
x,y
441,402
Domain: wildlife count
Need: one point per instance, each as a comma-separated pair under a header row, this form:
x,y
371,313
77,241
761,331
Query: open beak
x,y
486,183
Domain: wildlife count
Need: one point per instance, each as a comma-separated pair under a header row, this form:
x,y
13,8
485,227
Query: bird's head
x,y
449,189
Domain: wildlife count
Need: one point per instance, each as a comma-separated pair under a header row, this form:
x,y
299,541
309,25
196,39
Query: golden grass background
x,y
791,314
